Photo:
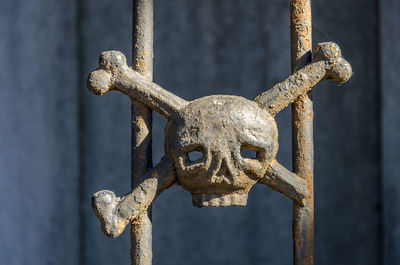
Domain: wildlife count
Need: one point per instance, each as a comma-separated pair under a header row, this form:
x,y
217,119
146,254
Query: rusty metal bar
x,y
142,62
302,133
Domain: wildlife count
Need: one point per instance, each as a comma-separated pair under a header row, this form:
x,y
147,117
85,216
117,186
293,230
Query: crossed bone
x,y
114,74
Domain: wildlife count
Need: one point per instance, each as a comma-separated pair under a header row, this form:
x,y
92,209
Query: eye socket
x,y
195,155
250,152
247,153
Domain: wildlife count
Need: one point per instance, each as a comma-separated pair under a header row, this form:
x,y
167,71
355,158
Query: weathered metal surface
x,y
142,62
302,134
220,128
115,213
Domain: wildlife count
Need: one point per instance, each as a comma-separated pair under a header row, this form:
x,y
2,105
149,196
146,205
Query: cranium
x,y
220,128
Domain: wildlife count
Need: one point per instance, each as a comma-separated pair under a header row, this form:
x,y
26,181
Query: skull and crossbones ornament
x,y
219,127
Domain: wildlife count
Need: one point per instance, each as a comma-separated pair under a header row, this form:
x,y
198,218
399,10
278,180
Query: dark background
x,y
59,143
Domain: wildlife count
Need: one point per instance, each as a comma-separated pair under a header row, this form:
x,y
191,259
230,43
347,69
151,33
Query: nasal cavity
x,y
225,169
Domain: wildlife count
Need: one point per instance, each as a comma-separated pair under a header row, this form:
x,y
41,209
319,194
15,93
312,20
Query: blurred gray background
x,y
59,143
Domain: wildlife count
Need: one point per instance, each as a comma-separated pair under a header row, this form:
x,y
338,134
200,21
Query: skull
x,y
221,129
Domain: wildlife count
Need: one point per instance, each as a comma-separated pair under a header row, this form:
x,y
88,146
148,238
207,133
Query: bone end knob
x,y
112,60
338,69
104,204
100,81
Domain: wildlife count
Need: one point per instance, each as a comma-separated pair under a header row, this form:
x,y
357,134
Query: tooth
x,y
214,201
226,200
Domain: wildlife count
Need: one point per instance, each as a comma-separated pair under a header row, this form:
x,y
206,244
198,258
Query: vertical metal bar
x,y
302,133
142,62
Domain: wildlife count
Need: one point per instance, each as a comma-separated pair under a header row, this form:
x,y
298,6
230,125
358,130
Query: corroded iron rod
x,y
142,62
302,133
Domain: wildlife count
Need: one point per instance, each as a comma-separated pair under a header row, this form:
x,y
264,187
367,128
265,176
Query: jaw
x,y
220,200
222,194
208,192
